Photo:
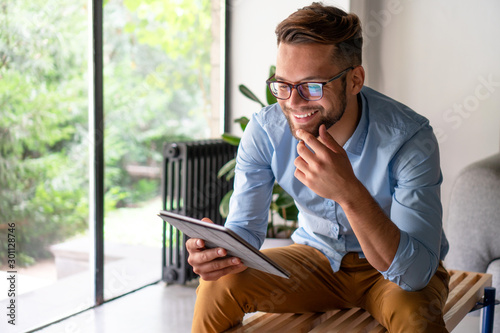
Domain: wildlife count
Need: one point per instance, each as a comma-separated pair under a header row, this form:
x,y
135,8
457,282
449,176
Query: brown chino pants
x,y
314,287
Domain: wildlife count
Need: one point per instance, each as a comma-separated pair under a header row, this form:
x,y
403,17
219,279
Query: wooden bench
x,y
466,289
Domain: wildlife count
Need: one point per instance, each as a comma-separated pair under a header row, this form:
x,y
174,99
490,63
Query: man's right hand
x,y
211,264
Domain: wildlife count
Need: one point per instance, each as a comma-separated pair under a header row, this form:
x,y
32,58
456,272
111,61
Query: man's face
x,y
311,63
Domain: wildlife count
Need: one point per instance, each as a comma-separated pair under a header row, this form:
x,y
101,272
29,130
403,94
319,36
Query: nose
x,y
295,99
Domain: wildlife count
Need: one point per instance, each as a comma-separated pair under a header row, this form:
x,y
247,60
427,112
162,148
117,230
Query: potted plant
x,y
282,204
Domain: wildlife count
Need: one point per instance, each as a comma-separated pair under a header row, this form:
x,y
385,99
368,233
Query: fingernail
x,y
235,261
220,252
298,132
198,243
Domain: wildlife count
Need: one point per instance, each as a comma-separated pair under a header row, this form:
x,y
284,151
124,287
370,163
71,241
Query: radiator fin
x,y
190,187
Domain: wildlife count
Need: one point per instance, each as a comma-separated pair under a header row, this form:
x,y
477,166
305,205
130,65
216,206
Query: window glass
x,y
157,90
43,161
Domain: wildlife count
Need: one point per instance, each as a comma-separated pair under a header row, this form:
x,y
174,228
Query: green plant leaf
x,y
290,213
270,230
270,97
249,94
243,121
272,70
231,139
230,175
281,227
277,189
226,168
224,204
284,200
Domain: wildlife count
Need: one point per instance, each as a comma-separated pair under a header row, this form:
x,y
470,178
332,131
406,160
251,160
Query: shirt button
x,y
335,230
330,203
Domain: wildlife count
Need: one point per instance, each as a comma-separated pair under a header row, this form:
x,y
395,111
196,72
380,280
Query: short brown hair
x,y
325,25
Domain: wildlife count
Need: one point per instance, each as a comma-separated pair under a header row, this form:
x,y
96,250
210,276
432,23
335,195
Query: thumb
x,y
206,219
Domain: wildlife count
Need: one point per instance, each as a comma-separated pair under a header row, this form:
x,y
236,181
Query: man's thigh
x,y
409,311
312,286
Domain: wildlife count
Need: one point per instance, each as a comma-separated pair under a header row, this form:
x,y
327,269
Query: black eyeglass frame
x,y
295,86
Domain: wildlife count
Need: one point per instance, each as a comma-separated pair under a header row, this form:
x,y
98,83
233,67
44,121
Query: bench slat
x,y
367,325
462,306
304,322
459,289
345,321
265,321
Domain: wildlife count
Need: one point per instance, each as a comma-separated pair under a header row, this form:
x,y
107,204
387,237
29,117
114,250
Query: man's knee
x,y
415,311
232,290
221,287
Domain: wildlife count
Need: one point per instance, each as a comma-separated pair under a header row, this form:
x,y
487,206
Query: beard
x,y
327,117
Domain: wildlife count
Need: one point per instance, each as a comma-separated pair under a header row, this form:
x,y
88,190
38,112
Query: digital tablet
x,y
218,236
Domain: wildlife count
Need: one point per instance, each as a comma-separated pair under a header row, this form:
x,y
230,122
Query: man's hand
x,y
327,171
211,264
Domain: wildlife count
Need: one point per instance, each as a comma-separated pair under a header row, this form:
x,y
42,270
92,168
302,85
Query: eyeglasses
x,y
310,91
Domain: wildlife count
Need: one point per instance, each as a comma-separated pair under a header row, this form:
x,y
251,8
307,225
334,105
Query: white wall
x,y
434,56
253,47
438,57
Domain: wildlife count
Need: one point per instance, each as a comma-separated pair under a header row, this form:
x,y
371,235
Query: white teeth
x,y
304,115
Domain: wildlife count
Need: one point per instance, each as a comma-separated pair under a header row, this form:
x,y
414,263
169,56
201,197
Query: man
x,y
364,172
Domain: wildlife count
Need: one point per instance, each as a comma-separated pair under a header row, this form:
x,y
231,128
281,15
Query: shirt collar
x,y
357,140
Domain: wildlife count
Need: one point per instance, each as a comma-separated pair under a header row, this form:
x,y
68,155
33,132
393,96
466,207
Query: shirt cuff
x,y
401,262
413,265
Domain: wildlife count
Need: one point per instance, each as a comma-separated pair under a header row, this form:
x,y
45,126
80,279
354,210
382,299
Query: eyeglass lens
x,y
307,90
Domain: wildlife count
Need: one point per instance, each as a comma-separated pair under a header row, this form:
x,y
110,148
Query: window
x,y
159,84
157,89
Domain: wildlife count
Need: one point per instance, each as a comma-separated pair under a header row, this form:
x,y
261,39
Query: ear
x,y
357,79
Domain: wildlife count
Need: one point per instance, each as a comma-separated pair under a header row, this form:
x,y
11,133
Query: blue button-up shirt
x,y
393,152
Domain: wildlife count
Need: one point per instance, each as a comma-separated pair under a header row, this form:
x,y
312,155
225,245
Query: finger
x,y
215,266
195,244
327,139
301,176
213,276
205,256
300,163
310,140
206,219
304,152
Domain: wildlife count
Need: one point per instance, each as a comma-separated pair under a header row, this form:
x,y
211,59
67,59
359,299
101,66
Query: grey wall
x,y
442,58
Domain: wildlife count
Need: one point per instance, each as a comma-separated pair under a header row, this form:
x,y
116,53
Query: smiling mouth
x,y
305,115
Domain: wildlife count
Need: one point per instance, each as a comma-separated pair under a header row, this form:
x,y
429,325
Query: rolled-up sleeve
x,y
416,209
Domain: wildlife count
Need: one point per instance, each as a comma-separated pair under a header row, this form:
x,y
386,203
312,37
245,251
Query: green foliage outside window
x,y
156,84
